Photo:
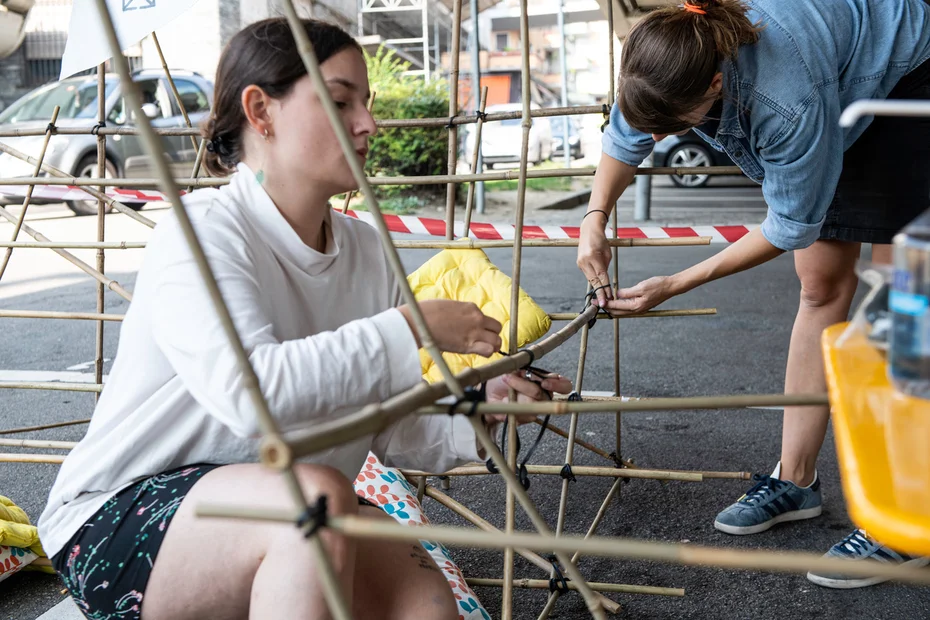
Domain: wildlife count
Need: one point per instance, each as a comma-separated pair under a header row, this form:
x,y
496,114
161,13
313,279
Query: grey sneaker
x,y
859,547
769,502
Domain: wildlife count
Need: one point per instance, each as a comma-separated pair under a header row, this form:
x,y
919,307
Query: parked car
x,y
126,155
501,141
688,151
574,138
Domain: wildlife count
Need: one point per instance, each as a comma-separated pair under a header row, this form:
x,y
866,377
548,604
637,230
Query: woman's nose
x,y
658,137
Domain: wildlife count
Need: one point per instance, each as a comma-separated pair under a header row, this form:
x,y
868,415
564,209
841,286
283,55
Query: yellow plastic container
x,y
883,442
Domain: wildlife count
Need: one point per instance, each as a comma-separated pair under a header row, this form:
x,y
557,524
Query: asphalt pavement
x,y
740,350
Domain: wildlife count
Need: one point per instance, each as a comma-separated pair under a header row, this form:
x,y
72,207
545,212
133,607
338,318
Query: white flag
x,y
134,20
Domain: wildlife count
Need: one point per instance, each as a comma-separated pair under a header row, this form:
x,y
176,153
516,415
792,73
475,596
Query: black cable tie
x,y
51,128
523,476
605,110
558,582
96,128
482,116
567,474
475,396
589,299
574,397
532,357
314,516
451,123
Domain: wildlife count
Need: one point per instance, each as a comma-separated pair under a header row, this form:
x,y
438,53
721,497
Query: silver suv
x,y
126,155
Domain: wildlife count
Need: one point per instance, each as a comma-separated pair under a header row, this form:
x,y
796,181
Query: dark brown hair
x,y
670,58
264,54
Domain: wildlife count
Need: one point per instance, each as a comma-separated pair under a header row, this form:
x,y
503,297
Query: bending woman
x,y
765,81
318,310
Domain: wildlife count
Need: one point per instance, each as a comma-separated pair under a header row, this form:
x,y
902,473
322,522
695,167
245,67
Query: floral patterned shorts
x,y
106,565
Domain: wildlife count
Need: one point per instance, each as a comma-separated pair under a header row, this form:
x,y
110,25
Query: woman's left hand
x,y
644,296
498,390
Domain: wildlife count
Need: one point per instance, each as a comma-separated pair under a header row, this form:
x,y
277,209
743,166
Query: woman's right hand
x,y
457,327
594,256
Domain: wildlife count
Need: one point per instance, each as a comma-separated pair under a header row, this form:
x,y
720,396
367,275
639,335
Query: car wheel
x,y
689,156
88,168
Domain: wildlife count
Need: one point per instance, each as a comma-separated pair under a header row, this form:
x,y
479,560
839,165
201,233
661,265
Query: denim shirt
x,y
784,94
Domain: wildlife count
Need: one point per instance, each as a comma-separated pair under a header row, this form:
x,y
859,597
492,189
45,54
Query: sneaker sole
x,y
794,515
864,582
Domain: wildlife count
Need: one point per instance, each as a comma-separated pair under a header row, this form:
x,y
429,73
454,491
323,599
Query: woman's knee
x,y
827,273
317,480
820,289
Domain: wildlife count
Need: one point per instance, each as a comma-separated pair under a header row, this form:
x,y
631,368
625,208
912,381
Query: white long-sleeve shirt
x,y
321,330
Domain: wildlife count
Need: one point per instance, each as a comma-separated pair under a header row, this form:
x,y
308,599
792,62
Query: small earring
x,y
266,135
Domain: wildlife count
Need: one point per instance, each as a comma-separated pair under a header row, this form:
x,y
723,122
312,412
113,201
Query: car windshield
x,y
76,98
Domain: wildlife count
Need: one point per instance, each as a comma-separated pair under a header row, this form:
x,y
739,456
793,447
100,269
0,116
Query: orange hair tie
x,y
693,8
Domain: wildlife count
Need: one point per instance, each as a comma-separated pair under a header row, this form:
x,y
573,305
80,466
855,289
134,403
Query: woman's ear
x,y
716,85
256,104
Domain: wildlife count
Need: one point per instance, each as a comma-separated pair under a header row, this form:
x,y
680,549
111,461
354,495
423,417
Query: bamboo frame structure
x,y
279,450
503,175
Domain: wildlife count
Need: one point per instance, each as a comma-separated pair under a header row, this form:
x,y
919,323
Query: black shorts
x,y
885,181
107,564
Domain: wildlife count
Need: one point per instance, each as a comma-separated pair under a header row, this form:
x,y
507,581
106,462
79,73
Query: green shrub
x,y
403,151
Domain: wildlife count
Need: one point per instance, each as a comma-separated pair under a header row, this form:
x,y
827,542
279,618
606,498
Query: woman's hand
x,y
457,327
498,391
594,256
644,296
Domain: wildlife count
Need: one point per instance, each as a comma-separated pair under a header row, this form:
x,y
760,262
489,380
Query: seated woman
x,y
319,313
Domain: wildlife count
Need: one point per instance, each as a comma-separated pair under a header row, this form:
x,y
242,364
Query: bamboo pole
x,y
349,194
581,471
378,416
572,434
516,268
454,54
41,314
38,444
111,284
470,200
596,546
579,442
481,523
29,429
597,587
650,314
54,386
53,459
174,88
738,401
616,252
101,223
198,162
74,245
380,123
61,178
438,179
28,199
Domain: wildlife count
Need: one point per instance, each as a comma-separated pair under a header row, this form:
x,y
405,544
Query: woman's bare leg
x,y
828,283
399,580
231,569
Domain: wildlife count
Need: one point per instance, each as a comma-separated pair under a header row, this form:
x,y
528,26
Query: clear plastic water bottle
x,y
909,302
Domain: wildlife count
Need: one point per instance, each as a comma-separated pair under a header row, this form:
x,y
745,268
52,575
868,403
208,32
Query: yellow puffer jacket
x,y
15,529
469,275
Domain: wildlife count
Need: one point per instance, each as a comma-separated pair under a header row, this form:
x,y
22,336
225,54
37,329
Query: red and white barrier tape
x,y
409,224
